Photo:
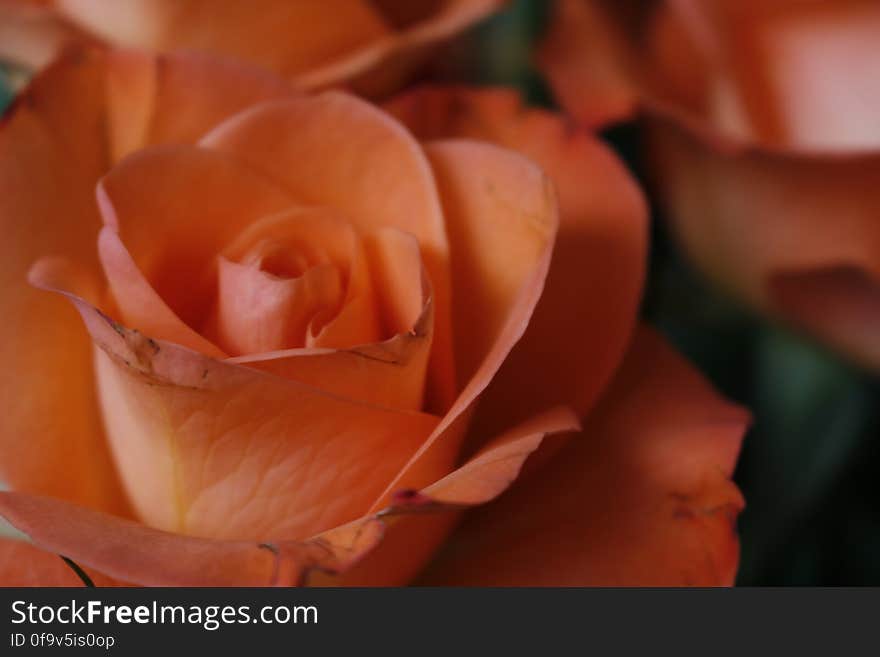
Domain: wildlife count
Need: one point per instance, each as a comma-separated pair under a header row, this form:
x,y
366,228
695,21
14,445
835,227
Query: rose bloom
x,y
275,338
764,137
369,45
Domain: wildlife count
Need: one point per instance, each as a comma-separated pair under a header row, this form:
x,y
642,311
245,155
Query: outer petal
x,y
796,236
391,373
22,564
586,58
149,199
372,45
31,35
176,98
286,37
167,243
641,497
501,215
53,144
336,151
140,555
418,521
792,74
51,154
595,280
208,448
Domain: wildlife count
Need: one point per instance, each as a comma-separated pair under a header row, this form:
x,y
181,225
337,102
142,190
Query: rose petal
x,y
585,57
419,521
176,208
176,98
786,60
209,448
372,172
140,555
595,281
501,215
22,564
495,467
31,35
642,497
390,373
287,37
50,438
138,303
758,223
385,65
298,278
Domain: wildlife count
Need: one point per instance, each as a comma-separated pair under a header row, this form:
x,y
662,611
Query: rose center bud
x,y
297,280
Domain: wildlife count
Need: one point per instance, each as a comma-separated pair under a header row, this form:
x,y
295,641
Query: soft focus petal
x,y
175,208
370,45
143,556
501,215
791,73
641,497
595,280
176,98
169,243
52,143
286,37
209,448
22,564
30,35
585,57
339,152
795,236
364,552
386,63
495,467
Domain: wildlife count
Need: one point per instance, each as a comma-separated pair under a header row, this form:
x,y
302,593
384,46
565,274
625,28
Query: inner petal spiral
x,y
299,279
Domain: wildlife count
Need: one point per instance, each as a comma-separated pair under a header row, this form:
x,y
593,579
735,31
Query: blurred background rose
x,y
811,461
810,465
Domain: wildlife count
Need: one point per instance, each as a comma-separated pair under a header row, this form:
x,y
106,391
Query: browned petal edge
x,y
130,552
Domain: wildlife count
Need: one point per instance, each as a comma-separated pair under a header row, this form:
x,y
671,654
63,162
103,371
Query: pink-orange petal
x,y
285,37
134,553
175,98
52,150
213,449
175,208
758,223
595,280
641,497
418,521
22,564
30,35
391,373
336,151
138,303
586,58
502,217
385,64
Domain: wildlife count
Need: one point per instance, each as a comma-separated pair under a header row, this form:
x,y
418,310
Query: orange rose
x,y
371,45
764,137
313,338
